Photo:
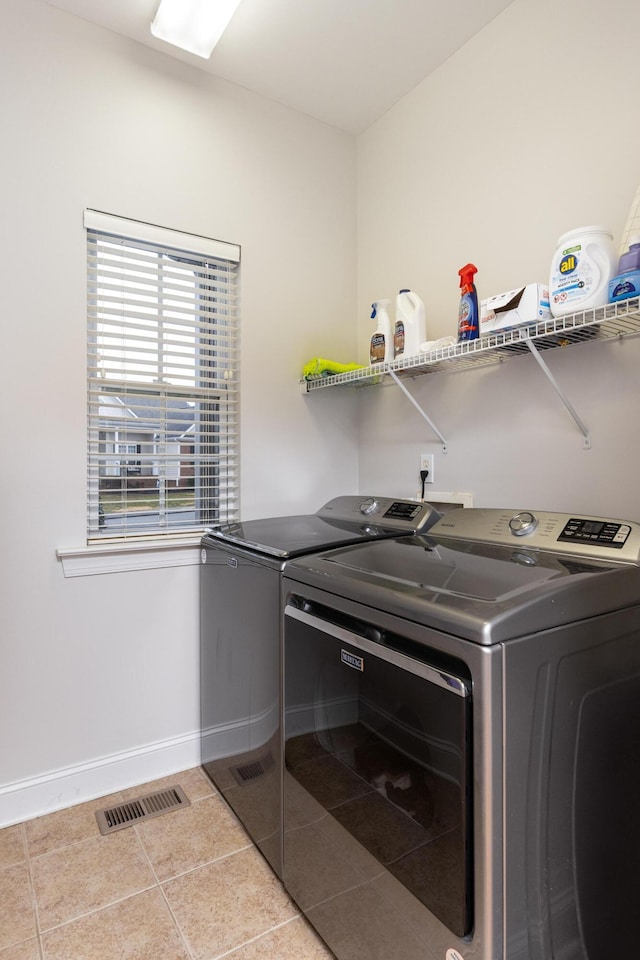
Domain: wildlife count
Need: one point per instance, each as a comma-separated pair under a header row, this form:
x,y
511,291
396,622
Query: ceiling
x,y
345,62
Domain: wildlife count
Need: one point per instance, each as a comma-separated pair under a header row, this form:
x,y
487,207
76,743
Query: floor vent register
x,y
153,805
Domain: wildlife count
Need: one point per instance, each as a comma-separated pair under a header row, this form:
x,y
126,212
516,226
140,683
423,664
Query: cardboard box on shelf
x,y
505,311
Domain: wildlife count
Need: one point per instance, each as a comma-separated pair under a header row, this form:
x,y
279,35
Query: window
x,y
162,380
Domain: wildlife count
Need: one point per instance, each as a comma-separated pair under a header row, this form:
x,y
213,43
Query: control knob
x,y
523,523
368,506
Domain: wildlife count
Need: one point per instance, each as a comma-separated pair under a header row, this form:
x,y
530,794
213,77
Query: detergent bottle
x,y
468,321
626,283
409,329
382,340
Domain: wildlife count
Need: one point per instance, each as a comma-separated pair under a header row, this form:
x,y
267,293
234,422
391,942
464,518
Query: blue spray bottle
x,y
468,319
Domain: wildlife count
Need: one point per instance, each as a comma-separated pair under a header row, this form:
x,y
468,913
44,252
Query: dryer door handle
x,y
440,678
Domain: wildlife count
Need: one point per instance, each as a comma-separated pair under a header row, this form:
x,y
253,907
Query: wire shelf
x,y
614,320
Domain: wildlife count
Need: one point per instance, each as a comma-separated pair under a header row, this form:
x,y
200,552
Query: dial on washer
x,y
522,524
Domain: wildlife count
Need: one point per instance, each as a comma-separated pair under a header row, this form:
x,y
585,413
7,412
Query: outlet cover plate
x,y
427,462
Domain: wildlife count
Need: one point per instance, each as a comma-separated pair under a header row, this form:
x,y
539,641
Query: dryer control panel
x,y
404,516
593,537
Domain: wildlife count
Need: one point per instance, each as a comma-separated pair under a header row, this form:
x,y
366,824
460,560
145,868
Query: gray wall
x,y
525,133
99,674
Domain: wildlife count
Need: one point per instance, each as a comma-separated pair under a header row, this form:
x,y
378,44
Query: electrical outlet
x,y
427,462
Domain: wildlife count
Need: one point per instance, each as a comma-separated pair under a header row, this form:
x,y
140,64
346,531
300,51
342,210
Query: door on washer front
x,y
377,791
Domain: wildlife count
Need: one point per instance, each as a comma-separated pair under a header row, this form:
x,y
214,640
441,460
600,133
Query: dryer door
x,y
377,788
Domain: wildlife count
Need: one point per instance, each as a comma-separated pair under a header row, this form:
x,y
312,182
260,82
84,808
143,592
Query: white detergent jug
x,y
410,327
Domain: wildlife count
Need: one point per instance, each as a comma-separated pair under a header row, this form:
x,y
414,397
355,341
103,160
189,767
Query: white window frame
x,y
168,379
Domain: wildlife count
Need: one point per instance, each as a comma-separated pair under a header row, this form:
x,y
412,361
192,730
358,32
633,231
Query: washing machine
x,y
240,605
462,740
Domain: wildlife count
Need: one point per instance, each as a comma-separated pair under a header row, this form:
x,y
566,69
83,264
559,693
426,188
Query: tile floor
x,y
188,885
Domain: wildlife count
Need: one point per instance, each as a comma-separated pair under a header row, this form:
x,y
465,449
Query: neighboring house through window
x,y
163,372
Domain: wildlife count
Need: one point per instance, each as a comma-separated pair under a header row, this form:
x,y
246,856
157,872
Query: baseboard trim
x,y
68,786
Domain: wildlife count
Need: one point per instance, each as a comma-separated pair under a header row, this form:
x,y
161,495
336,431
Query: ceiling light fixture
x,y
193,25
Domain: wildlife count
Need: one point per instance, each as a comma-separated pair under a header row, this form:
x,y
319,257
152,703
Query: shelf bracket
x,y
586,441
399,382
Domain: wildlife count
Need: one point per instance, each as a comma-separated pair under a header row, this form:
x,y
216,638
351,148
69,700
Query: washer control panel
x,y
595,537
604,532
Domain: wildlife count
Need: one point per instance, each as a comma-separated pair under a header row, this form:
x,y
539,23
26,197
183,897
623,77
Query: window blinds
x,y
163,371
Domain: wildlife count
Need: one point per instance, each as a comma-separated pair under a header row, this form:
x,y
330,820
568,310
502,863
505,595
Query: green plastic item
x,y
319,367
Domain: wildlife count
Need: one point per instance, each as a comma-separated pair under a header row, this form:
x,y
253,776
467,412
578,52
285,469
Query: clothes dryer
x,y
462,740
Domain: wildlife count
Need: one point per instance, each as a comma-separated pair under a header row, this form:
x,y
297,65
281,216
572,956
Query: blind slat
x,y
142,273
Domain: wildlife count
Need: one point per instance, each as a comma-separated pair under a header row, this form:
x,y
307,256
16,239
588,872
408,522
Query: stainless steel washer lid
x,y
487,592
341,521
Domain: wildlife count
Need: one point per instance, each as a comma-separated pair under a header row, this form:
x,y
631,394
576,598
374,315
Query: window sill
x,y
125,557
